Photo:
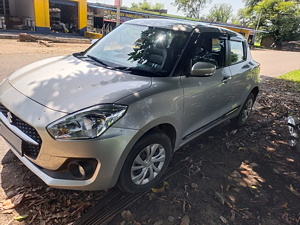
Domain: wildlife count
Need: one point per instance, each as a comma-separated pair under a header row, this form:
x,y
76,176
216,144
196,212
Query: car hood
x,y
68,84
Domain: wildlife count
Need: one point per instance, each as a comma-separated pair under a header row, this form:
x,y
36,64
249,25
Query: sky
x,y
236,5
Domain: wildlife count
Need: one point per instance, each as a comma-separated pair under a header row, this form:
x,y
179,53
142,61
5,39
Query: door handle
x,y
226,79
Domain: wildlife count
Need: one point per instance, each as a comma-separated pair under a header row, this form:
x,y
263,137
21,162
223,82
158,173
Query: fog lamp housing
x,y
81,170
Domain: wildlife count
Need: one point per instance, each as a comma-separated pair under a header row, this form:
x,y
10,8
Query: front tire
x,y
146,163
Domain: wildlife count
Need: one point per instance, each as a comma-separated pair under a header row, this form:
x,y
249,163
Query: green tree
x,y
158,6
145,5
191,8
247,18
280,18
234,20
220,12
251,3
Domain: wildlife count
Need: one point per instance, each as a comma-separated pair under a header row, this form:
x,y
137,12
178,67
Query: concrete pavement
x,y
275,63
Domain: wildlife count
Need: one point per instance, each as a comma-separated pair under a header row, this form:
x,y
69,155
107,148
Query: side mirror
x,y
203,69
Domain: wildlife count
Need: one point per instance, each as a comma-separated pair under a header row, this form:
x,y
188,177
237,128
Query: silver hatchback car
x,y
115,113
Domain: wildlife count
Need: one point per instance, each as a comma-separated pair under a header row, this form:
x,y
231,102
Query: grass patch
x,y
292,77
258,46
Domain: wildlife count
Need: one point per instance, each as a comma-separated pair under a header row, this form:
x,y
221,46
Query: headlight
x,y
87,123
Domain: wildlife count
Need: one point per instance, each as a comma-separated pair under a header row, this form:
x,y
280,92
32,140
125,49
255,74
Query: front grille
x,y
3,110
28,149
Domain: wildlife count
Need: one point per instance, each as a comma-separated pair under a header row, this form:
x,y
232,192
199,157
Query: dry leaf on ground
x,y
13,202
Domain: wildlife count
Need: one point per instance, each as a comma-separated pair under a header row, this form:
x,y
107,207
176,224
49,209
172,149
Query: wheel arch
x,y
255,91
167,128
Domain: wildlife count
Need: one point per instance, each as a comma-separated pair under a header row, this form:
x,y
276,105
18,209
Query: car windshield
x,y
142,50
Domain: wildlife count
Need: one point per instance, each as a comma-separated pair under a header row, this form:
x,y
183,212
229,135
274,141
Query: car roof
x,y
184,25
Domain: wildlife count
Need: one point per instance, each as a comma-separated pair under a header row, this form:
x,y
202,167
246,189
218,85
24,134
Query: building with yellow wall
x,y
104,19
78,16
46,15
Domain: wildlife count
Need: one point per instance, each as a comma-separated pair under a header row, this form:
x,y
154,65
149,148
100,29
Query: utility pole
x,y
258,21
118,3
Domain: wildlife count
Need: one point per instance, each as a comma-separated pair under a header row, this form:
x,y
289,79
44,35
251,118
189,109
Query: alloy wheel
x,y
148,164
247,110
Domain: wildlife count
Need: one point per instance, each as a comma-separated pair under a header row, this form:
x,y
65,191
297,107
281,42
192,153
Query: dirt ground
x,y
15,54
9,46
244,176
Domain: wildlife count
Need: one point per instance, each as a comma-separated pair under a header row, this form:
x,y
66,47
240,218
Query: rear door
x,y
240,68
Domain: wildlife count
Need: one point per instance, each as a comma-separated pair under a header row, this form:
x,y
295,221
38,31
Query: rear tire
x,y
146,163
244,114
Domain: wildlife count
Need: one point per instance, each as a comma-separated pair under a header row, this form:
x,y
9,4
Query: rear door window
x,y
237,52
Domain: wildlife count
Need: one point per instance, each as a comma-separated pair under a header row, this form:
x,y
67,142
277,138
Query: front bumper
x,y
109,151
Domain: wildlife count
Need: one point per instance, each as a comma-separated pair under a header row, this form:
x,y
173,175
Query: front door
x,y
205,98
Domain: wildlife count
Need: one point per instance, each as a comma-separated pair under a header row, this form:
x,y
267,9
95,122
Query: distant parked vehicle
x,y
292,46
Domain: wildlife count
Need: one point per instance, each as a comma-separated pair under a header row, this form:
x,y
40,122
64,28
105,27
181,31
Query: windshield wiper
x,y
137,70
78,54
97,60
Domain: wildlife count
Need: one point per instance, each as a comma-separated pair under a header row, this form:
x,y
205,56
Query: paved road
x,y
275,63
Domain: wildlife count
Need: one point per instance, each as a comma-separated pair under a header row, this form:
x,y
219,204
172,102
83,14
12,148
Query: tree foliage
x,y
145,5
281,18
251,3
234,20
247,18
191,8
220,12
